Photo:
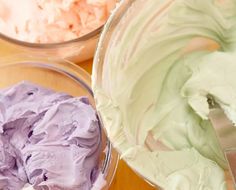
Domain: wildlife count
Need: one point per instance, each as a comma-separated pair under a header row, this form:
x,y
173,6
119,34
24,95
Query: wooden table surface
x,y
125,178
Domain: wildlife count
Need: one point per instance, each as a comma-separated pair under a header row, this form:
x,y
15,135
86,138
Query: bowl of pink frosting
x,y
50,134
67,29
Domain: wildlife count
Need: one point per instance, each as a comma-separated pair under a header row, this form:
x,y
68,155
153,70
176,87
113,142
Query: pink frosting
x,y
52,21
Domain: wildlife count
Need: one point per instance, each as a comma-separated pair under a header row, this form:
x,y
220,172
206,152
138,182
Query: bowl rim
x,y
26,44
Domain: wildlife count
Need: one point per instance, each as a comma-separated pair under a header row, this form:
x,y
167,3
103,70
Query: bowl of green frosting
x,y
156,63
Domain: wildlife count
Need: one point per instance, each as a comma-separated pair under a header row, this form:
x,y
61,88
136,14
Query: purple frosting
x,y
48,139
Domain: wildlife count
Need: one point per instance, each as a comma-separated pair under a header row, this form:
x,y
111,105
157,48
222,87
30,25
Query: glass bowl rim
x,y
26,44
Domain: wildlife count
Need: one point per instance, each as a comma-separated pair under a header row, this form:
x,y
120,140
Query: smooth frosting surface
x,y
52,21
48,139
163,59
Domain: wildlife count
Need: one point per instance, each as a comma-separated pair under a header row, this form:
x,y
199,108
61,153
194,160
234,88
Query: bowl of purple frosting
x,y
51,137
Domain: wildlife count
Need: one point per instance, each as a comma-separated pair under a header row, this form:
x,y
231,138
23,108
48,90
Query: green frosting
x,y
163,59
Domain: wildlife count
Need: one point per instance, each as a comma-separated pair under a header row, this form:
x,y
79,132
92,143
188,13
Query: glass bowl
x,y
114,29
76,50
62,76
